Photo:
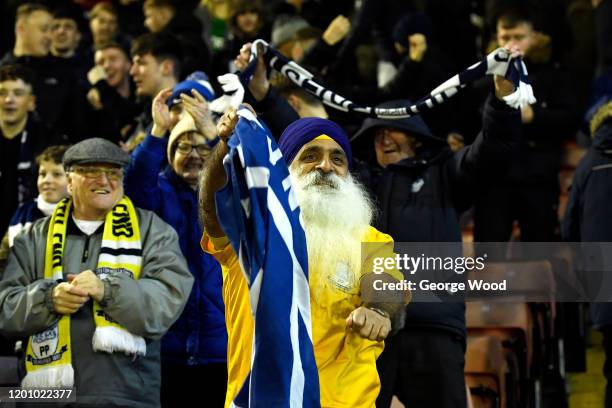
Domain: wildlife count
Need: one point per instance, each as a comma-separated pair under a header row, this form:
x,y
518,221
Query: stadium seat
x,y
485,371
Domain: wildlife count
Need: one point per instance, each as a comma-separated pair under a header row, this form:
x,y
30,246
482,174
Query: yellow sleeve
x,y
378,245
238,316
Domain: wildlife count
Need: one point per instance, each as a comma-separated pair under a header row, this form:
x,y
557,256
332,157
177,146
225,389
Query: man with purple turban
x,y
349,322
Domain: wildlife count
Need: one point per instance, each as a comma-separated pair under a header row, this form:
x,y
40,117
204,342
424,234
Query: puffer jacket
x,y
199,336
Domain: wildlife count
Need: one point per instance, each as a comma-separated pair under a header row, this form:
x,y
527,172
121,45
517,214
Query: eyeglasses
x,y
113,174
187,148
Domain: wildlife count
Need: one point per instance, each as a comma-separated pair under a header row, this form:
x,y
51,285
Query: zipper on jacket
x,y
85,251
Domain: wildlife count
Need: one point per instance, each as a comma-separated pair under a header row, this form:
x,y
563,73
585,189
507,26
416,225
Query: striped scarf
x,y
499,62
49,353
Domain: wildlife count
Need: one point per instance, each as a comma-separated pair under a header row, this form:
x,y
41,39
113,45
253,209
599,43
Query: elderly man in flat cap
x,y
348,327
92,288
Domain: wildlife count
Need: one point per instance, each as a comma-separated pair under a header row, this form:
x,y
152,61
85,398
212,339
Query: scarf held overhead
x,y
49,353
499,62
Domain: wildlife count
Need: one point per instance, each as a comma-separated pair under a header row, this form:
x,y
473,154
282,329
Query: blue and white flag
x,y
259,213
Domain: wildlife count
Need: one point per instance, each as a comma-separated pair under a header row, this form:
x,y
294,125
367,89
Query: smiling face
x,y
148,74
52,182
392,145
116,65
323,155
34,32
16,100
95,189
187,162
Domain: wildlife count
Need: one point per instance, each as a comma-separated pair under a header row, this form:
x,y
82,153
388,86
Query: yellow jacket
x,y
346,362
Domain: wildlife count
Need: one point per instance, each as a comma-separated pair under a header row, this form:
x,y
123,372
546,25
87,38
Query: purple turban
x,y
306,130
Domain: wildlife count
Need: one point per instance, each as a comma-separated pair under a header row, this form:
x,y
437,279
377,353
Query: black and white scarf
x,y
499,62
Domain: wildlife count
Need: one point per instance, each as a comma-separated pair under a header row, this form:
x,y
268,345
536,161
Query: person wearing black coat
x,y
588,216
528,191
59,99
421,187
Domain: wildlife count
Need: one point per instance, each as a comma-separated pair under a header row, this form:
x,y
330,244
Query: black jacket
x,y
59,98
117,118
18,169
188,29
555,120
420,199
588,216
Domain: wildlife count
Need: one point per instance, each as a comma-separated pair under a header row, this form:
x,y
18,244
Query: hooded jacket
x,y
199,335
588,216
421,198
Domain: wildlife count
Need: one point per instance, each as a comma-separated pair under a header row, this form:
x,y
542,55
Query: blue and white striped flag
x,y
260,215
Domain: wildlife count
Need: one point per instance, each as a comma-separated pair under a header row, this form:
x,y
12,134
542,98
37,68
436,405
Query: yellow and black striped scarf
x,y
49,353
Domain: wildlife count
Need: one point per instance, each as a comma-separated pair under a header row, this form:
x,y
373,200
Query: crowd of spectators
x,y
140,74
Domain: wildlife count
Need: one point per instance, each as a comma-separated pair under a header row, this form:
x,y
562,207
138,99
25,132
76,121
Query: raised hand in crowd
x,y
417,46
227,123
94,75
337,30
503,87
259,84
162,120
197,107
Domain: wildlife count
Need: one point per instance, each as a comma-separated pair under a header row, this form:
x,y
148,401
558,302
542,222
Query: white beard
x,y
337,212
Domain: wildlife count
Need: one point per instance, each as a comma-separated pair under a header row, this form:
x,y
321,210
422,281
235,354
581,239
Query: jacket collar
x,y
603,137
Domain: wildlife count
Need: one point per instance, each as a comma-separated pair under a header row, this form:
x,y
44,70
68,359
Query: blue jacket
x,y
199,336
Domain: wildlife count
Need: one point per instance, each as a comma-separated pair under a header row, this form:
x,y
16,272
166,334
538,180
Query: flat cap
x,y
95,150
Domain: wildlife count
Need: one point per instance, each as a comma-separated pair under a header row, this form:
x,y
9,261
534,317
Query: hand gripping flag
x,y
259,213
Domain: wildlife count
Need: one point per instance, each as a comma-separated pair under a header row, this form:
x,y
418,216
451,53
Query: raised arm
x,y
141,176
213,177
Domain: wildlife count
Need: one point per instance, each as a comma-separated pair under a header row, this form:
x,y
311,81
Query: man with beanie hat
x,y
348,326
94,287
196,346
421,188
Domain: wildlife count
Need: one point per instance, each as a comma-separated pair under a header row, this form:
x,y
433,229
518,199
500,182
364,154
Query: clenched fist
x,y
369,324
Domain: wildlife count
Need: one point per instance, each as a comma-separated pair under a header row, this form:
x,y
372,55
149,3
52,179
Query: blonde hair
x,y
103,7
26,10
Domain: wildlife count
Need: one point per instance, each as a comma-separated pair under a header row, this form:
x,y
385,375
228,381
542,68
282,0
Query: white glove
x,y
233,94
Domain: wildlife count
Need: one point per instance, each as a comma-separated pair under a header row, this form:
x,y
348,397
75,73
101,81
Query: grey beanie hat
x,y
285,27
95,150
